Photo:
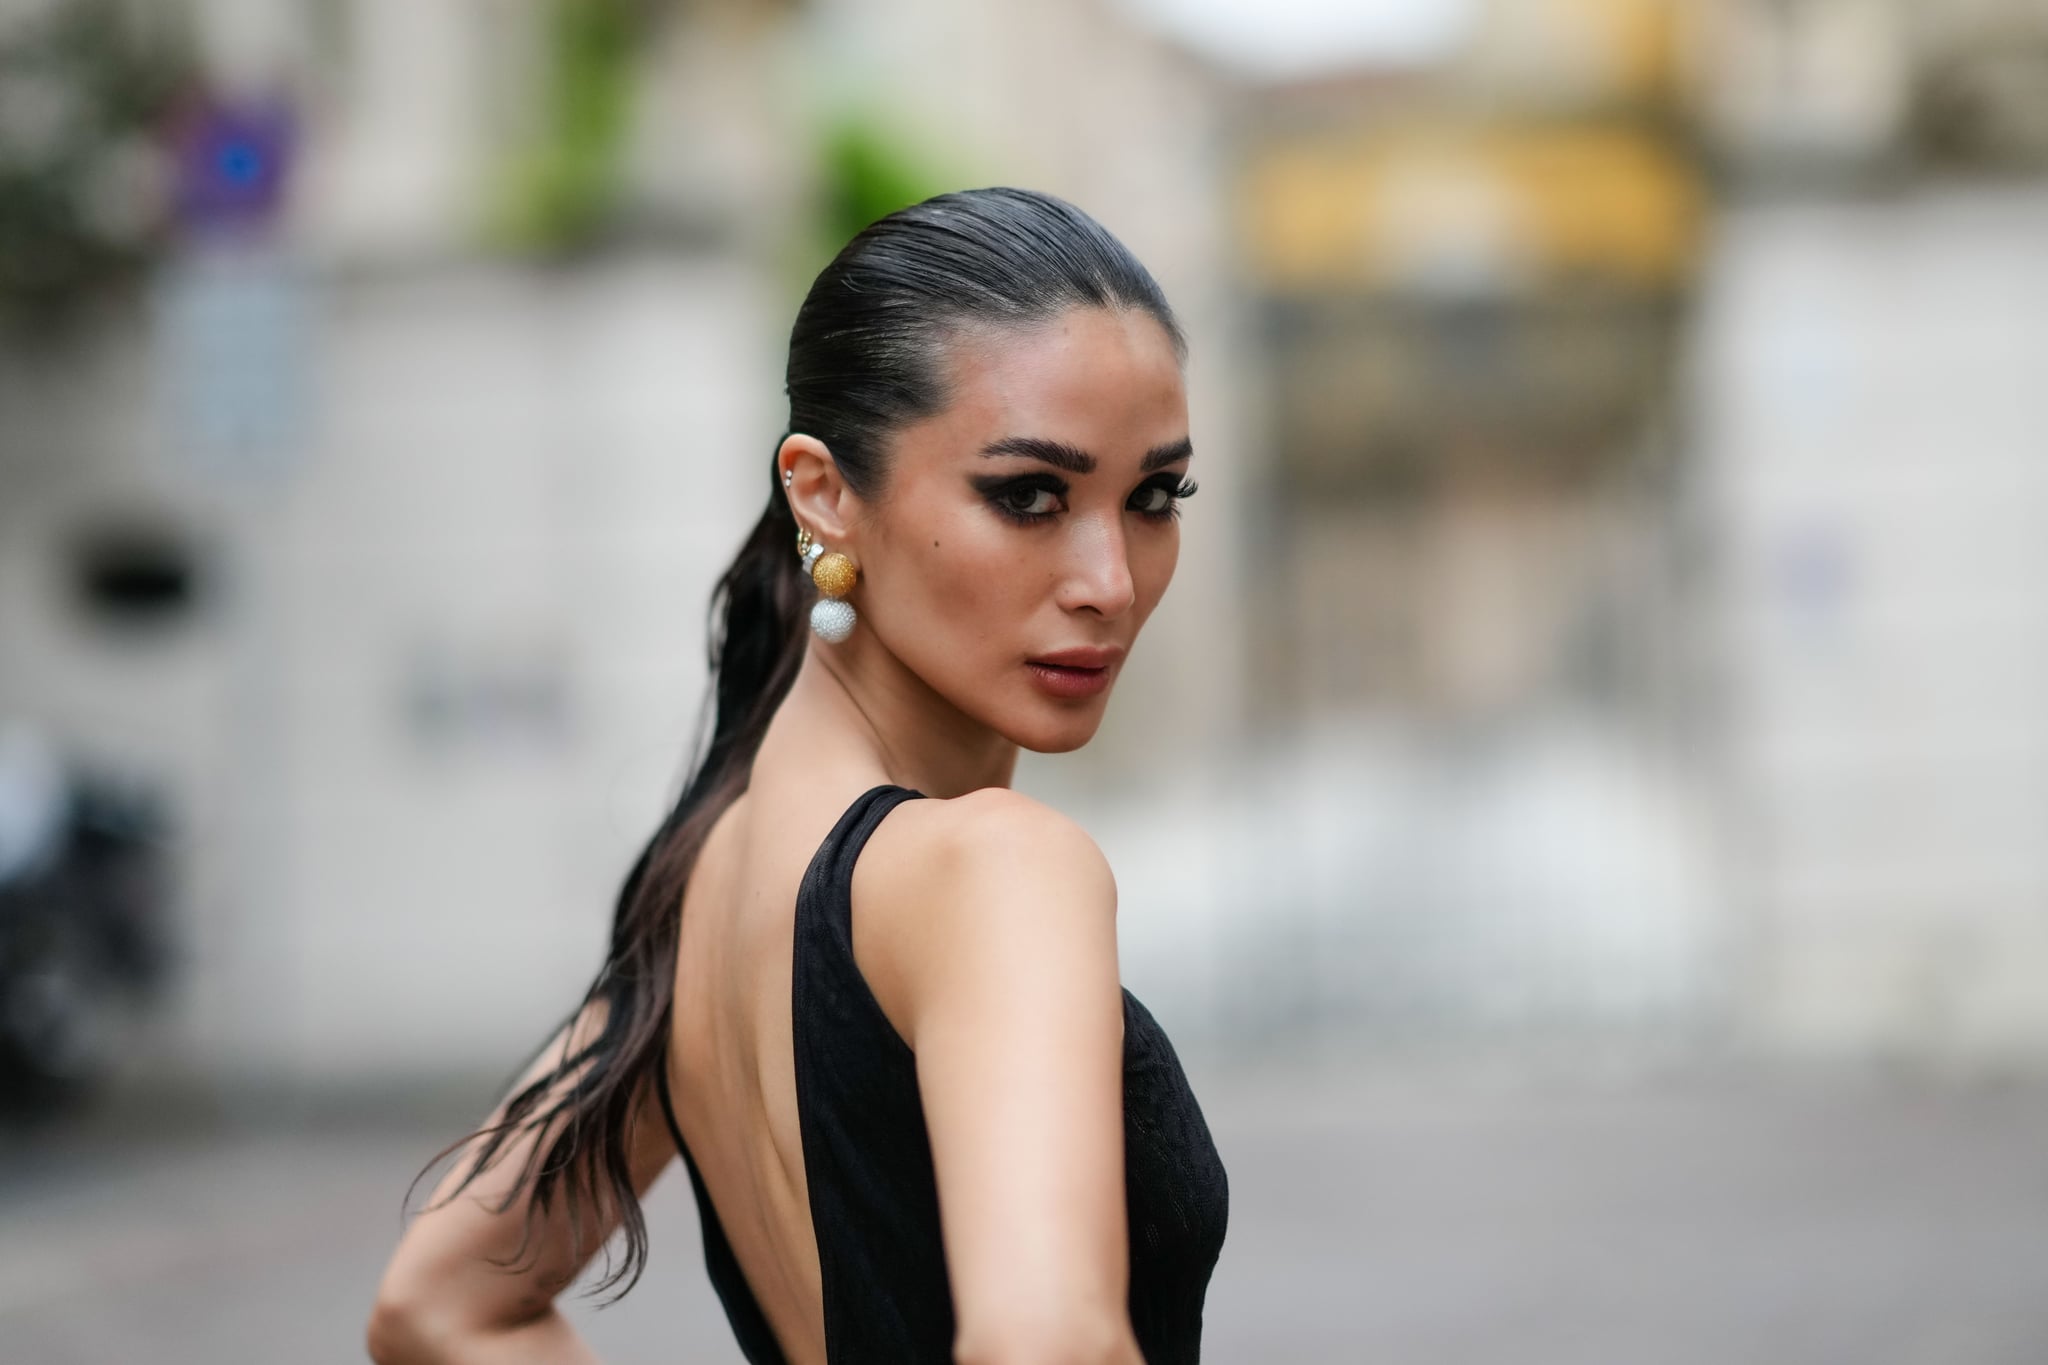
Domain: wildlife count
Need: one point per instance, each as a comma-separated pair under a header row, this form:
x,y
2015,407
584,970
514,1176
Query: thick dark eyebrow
x,y
1075,460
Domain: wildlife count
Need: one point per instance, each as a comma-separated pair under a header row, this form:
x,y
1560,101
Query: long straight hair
x,y
866,357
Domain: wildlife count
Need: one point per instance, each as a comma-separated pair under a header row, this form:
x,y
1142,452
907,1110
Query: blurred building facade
x,y
1603,617
1471,277
1600,355
1866,447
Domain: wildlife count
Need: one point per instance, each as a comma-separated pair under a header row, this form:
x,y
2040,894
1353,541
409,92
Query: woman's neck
x,y
859,709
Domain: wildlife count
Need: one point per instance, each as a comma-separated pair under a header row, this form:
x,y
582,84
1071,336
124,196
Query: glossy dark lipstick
x,y
1073,672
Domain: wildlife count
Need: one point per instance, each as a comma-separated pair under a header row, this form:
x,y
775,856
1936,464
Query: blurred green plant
x,y
556,191
865,169
867,172
85,94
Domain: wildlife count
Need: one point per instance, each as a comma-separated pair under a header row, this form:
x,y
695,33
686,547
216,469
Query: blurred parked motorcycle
x,y
83,932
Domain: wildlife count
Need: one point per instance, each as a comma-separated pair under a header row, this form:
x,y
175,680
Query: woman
x,y
921,1118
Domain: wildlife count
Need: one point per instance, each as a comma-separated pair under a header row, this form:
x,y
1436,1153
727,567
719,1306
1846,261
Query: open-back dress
x,y
868,1161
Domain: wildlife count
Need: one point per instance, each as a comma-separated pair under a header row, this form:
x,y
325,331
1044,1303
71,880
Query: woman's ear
x,y
818,495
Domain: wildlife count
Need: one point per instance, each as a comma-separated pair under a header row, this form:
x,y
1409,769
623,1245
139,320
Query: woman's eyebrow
x,y
1159,456
1075,460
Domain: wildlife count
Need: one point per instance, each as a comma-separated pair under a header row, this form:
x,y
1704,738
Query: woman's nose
x,y
1099,570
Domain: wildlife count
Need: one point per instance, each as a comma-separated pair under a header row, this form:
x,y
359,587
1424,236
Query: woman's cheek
x,y
969,577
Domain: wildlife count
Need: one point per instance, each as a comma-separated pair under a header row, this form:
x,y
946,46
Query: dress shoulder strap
x,y
867,1158
827,986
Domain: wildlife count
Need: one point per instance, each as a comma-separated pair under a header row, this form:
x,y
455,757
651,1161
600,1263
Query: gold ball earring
x,y
834,574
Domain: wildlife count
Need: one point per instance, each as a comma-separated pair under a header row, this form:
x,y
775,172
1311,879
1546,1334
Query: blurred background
x,y
1580,811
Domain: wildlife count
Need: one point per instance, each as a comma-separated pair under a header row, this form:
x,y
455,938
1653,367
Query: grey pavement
x,y
1437,1216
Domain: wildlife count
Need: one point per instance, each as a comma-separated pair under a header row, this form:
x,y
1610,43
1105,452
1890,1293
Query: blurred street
x,y
1450,1216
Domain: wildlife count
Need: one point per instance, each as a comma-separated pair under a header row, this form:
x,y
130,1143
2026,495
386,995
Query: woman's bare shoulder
x,y
994,842
946,888
1002,976
989,818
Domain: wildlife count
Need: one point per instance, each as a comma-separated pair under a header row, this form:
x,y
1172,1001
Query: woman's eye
x,y
1161,500
1027,501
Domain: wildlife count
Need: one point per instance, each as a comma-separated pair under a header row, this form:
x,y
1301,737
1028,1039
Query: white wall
x,y
449,654
1872,407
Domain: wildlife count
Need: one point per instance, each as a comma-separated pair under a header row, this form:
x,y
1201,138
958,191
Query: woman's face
x,y
1032,523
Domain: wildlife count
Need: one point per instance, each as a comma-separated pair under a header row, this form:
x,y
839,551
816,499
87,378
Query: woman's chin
x,y
1058,734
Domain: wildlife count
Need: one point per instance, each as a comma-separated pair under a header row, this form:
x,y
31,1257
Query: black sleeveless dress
x,y
868,1162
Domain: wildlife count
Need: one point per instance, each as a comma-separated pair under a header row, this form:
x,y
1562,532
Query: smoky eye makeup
x,y
1026,499
1176,487
1020,497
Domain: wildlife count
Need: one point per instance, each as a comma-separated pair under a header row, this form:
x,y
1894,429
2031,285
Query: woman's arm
x,y
1004,965
545,1340
441,1301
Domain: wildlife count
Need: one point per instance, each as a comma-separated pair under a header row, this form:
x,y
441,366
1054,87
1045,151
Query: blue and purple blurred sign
x,y
233,157
232,304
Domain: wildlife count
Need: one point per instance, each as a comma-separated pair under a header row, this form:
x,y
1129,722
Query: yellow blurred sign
x,y
1445,205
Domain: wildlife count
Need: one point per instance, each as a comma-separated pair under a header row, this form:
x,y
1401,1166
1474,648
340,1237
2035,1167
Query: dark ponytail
x,y
865,357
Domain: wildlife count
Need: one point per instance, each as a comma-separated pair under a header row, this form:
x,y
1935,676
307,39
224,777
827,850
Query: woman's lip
x,y
1063,681
1080,658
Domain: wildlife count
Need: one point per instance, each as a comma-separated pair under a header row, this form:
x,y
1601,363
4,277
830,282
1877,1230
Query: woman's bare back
x,y
732,1070
731,1062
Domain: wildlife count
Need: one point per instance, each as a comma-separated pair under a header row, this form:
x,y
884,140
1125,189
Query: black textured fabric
x,y
868,1161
